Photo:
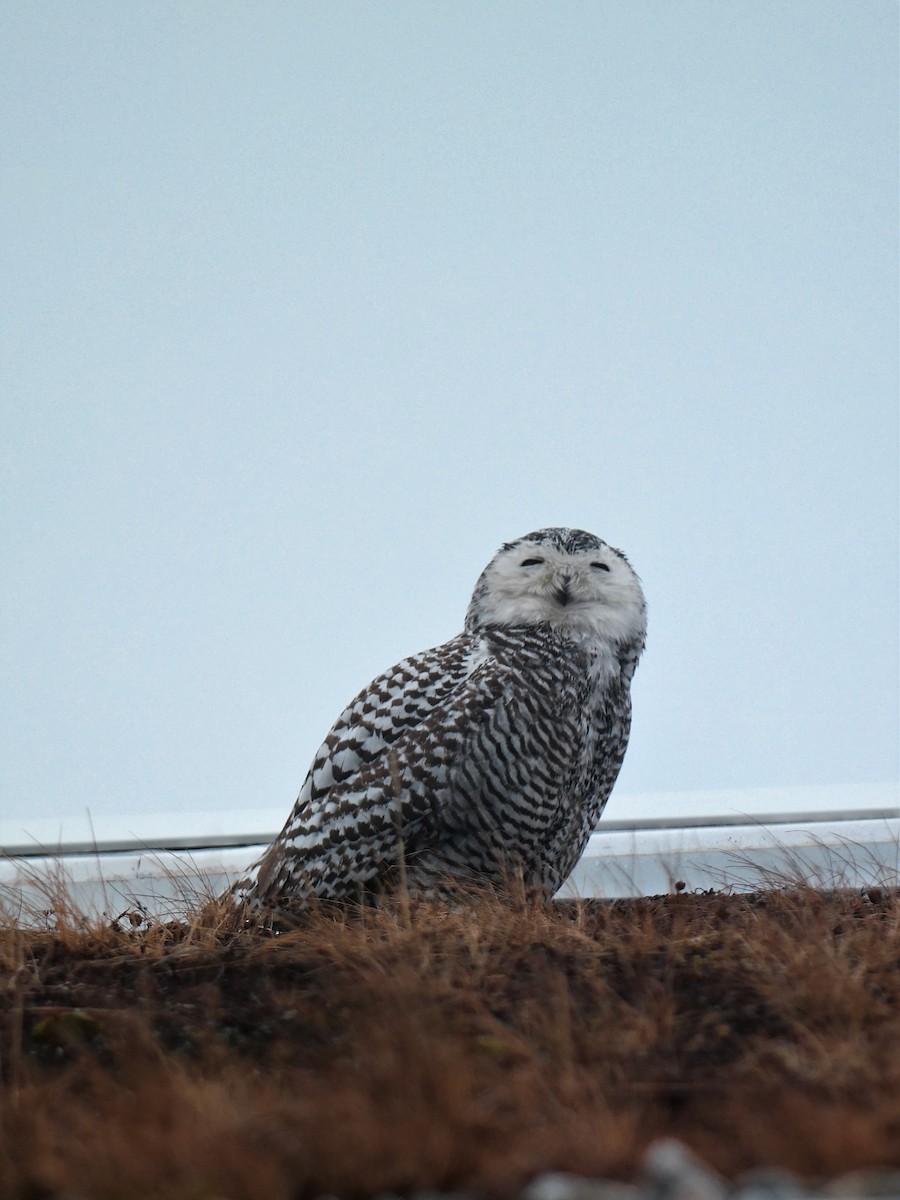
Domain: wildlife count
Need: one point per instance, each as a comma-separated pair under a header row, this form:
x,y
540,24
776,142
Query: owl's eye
x,y
600,566
531,562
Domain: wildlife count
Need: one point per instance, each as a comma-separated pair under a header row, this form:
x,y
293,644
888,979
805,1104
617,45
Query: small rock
x,y
883,1182
769,1183
557,1185
426,1195
671,1172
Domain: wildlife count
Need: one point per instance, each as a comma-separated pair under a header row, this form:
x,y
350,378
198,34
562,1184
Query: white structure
x,y
645,845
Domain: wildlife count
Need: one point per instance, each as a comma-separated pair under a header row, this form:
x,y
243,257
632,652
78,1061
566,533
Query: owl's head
x,y
566,578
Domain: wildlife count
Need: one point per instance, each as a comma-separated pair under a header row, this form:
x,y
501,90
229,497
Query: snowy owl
x,y
484,759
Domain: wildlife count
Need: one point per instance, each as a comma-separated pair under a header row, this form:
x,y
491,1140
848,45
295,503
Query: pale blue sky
x,y
307,307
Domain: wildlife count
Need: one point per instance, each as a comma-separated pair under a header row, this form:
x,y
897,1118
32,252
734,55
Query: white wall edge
x,y
86,833
846,853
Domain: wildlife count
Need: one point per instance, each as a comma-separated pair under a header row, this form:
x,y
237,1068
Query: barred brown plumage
x,y
484,758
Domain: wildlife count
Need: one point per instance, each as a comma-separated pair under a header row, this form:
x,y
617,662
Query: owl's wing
x,y
381,776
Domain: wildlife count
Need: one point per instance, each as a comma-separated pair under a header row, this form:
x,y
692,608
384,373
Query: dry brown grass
x,y
414,1046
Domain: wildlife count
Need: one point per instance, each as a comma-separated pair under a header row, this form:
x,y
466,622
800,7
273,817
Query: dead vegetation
x,y
415,1047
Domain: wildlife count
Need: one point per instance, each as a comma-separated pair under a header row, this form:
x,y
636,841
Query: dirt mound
x,y
419,1047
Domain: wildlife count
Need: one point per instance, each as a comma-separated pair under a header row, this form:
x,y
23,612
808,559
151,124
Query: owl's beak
x,y
564,590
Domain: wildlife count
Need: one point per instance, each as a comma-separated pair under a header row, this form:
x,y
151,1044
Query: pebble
x,y
769,1183
882,1181
556,1185
670,1171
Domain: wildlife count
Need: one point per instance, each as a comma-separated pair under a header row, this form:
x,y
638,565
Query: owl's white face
x,y
567,578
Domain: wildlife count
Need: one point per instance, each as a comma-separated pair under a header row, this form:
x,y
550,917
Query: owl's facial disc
x,y
577,584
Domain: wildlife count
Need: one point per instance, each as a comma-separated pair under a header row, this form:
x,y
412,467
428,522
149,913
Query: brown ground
x,y
412,1047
